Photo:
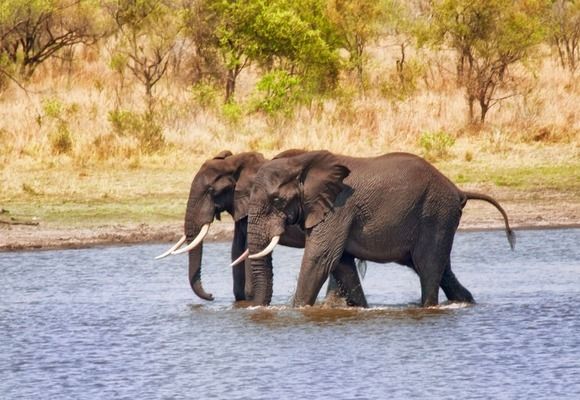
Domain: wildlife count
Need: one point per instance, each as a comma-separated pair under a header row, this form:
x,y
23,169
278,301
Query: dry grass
x,y
58,144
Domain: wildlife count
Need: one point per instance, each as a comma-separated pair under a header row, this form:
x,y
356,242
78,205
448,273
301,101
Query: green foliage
x,y
58,114
279,92
118,62
141,127
52,107
488,36
280,34
357,23
232,113
436,145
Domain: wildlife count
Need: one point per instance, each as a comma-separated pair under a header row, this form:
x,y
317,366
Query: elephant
x,y
392,208
223,184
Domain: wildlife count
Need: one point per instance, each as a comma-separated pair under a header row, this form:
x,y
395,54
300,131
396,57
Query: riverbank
x,y
64,204
526,210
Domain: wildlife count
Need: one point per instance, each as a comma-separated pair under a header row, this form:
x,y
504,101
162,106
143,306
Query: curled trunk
x,y
195,273
199,211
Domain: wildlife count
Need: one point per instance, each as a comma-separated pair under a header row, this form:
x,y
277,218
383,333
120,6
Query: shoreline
x,y
475,219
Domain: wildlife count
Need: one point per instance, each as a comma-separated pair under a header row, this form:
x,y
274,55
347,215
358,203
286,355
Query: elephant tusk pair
x,y
263,253
194,243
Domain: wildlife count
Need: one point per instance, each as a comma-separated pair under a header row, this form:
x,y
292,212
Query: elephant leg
x,y
323,250
332,290
430,259
239,271
344,282
453,289
239,275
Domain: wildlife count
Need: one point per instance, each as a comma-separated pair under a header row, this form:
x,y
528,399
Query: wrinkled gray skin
x,y
392,208
223,184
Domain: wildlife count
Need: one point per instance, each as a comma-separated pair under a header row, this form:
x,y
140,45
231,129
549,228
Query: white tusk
x,y
175,246
241,258
268,249
195,242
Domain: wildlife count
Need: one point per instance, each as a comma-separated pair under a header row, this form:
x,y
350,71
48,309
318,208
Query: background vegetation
x,y
104,101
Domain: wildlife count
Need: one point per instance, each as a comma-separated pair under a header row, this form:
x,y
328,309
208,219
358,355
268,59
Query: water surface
x,y
112,323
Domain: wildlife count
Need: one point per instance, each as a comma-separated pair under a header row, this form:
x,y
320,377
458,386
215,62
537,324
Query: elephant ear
x,y
247,165
321,179
223,155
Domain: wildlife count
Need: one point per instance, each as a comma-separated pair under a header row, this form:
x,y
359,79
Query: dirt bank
x,y
524,210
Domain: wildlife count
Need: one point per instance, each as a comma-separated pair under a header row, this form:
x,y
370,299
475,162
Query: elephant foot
x,y
454,290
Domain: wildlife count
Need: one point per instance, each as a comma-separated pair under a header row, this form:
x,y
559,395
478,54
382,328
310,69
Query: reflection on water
x,y
113,323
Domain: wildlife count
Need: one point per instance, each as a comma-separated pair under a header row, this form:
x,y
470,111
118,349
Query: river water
x,y
112,323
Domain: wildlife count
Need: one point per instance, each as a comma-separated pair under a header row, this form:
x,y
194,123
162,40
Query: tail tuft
x,y
511,236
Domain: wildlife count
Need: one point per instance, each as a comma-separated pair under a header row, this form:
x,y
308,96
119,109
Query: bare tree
x,y
34,31
565,32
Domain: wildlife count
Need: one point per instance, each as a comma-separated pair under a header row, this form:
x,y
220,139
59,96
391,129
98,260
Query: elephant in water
x,y
392,208
223,184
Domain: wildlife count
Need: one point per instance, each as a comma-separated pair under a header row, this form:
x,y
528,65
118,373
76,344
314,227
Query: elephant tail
x,y
511,235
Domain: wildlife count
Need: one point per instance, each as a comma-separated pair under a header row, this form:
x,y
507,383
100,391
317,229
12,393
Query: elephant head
x,y
295,190
222,183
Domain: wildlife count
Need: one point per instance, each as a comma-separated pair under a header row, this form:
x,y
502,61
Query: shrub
x,y
232,112
278,93
205,95
52,108
436,145
403,83
142,127
61,140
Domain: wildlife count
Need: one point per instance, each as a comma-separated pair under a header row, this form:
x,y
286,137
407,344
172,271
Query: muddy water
x,y
111,323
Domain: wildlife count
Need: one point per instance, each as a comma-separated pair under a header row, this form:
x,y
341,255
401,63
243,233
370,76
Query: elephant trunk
x,y
262,273
262,278
195,273
199,211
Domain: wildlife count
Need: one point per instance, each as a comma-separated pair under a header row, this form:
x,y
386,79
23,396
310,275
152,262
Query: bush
x,y
52,108
61,140
278,93
205,95
142,127
232,112
436,145
403,83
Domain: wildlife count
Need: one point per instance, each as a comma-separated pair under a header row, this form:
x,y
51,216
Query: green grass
x,y
53,212
543,177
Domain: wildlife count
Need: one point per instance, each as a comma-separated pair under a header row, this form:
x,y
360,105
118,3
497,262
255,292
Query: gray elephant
x,y
223,184
392,208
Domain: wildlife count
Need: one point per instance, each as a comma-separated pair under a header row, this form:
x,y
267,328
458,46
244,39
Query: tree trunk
x,y
230,85
470,105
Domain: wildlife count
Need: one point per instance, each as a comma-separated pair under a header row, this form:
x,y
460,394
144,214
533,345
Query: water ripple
x,y
111,323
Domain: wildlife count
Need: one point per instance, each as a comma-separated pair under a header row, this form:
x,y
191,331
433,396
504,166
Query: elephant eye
x,y
277,202
211,190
